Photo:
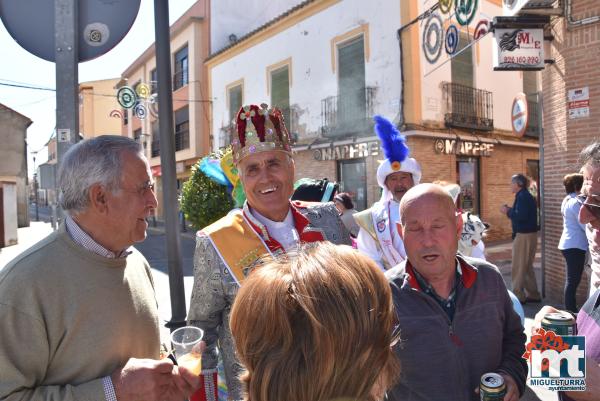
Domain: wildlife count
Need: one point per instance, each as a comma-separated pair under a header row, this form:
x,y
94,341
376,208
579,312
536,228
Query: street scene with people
x,y
310,200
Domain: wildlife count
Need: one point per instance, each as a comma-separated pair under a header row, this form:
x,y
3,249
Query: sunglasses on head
x,y
593,208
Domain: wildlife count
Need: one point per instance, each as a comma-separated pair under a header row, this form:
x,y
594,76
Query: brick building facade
x,y
501,159
576,52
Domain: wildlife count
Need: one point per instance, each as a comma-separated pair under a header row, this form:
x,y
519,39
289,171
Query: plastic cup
x,y
186,347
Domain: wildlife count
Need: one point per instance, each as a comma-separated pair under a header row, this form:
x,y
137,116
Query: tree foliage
x,y
202,200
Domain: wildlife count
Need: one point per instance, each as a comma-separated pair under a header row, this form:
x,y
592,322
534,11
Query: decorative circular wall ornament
x,y
433,38
452,39
126,97
481,29
116,114
140,111
143,91
465,11
445,6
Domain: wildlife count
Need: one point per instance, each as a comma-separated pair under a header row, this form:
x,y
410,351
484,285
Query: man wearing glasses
x,y
590,211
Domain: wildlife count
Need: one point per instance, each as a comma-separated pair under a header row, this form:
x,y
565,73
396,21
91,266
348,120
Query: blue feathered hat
x,y
396,154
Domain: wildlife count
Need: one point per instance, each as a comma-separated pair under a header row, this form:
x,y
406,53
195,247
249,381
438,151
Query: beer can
x,y
562,323
492,387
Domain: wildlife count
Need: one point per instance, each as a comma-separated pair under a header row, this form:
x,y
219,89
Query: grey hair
x,y
520,180
92,161
590,155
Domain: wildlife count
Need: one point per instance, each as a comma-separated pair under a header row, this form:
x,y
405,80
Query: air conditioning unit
x,y
514,7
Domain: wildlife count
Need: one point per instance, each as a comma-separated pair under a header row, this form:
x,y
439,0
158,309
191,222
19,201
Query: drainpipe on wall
x,y
540,101
573,23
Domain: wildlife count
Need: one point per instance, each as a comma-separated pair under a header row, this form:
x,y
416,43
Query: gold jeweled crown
x,y
259,129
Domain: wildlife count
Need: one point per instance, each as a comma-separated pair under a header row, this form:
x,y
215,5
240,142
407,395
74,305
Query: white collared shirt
x,y
283,232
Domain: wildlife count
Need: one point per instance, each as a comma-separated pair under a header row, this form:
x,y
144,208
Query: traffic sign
x,y
102,25
519,114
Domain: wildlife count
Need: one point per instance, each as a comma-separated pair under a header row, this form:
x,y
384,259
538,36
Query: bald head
x,y
430,192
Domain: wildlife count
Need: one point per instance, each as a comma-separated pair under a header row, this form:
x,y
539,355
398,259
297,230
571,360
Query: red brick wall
x,y
495,171
577,64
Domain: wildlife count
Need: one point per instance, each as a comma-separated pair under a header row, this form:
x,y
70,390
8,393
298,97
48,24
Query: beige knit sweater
x,y
69,317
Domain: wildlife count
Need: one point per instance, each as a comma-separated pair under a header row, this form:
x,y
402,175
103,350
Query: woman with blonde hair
x,y
316,326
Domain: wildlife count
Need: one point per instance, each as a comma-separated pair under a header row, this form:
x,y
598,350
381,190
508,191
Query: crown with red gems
x,y
259,129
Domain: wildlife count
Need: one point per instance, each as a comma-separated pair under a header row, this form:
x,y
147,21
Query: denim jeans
x,y
575,259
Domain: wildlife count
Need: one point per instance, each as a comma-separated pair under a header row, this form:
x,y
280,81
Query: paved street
x,y
154,249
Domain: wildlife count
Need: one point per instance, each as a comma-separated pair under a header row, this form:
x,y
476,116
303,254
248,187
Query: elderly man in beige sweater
x,y
78,311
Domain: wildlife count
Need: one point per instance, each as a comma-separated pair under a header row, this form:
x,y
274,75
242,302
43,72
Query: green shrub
x,y
202,200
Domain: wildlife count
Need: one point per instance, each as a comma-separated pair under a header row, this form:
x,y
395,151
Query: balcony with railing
x,y
182,139
155,148
468,107
348,115
180,78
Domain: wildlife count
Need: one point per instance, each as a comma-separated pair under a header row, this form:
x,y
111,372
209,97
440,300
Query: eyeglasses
x,y
141,191
593,208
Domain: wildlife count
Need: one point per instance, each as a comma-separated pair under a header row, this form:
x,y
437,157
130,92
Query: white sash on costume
x,y
381,223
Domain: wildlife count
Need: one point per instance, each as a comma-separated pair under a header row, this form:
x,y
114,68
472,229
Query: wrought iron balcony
x,y
155,148
468,107
348,115
182,140
180,78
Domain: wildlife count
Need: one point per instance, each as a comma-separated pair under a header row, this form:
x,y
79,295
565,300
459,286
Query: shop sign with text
x,y
350,151
463,148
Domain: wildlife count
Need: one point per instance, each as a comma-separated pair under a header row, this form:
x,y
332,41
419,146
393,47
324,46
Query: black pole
x,y
167,161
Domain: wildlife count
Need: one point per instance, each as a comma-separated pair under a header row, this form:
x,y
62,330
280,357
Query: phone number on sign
x,y
529,60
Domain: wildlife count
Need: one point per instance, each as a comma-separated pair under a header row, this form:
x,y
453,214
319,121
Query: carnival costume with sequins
x,y
377,237
229,248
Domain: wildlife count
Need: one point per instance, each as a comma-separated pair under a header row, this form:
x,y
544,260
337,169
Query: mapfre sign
x,y
518,49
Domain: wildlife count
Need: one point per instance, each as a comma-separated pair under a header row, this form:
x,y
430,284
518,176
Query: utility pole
x,y
67,80
167,162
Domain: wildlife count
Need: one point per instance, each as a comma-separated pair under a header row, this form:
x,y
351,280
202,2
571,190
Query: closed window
x,y
153,81
461,64
235,101
180,76
280,93
351,104
155,148
182,129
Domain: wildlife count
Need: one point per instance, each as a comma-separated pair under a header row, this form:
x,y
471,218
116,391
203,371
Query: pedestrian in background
x,y
343,203
523,216
317,325
589,213
573,243
78,309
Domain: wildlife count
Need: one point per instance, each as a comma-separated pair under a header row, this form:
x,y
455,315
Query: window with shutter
x,y
351,102
280,93
235,101
182,129
462,64
180,76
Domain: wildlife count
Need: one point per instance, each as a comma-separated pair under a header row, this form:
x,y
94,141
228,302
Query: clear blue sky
x,y
19,66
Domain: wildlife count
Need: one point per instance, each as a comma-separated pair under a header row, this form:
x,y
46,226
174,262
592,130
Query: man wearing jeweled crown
x,y
378,237
268,224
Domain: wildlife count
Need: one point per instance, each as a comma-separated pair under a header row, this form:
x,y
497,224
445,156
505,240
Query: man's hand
x,y
143,380
537,320
504,209
512,390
